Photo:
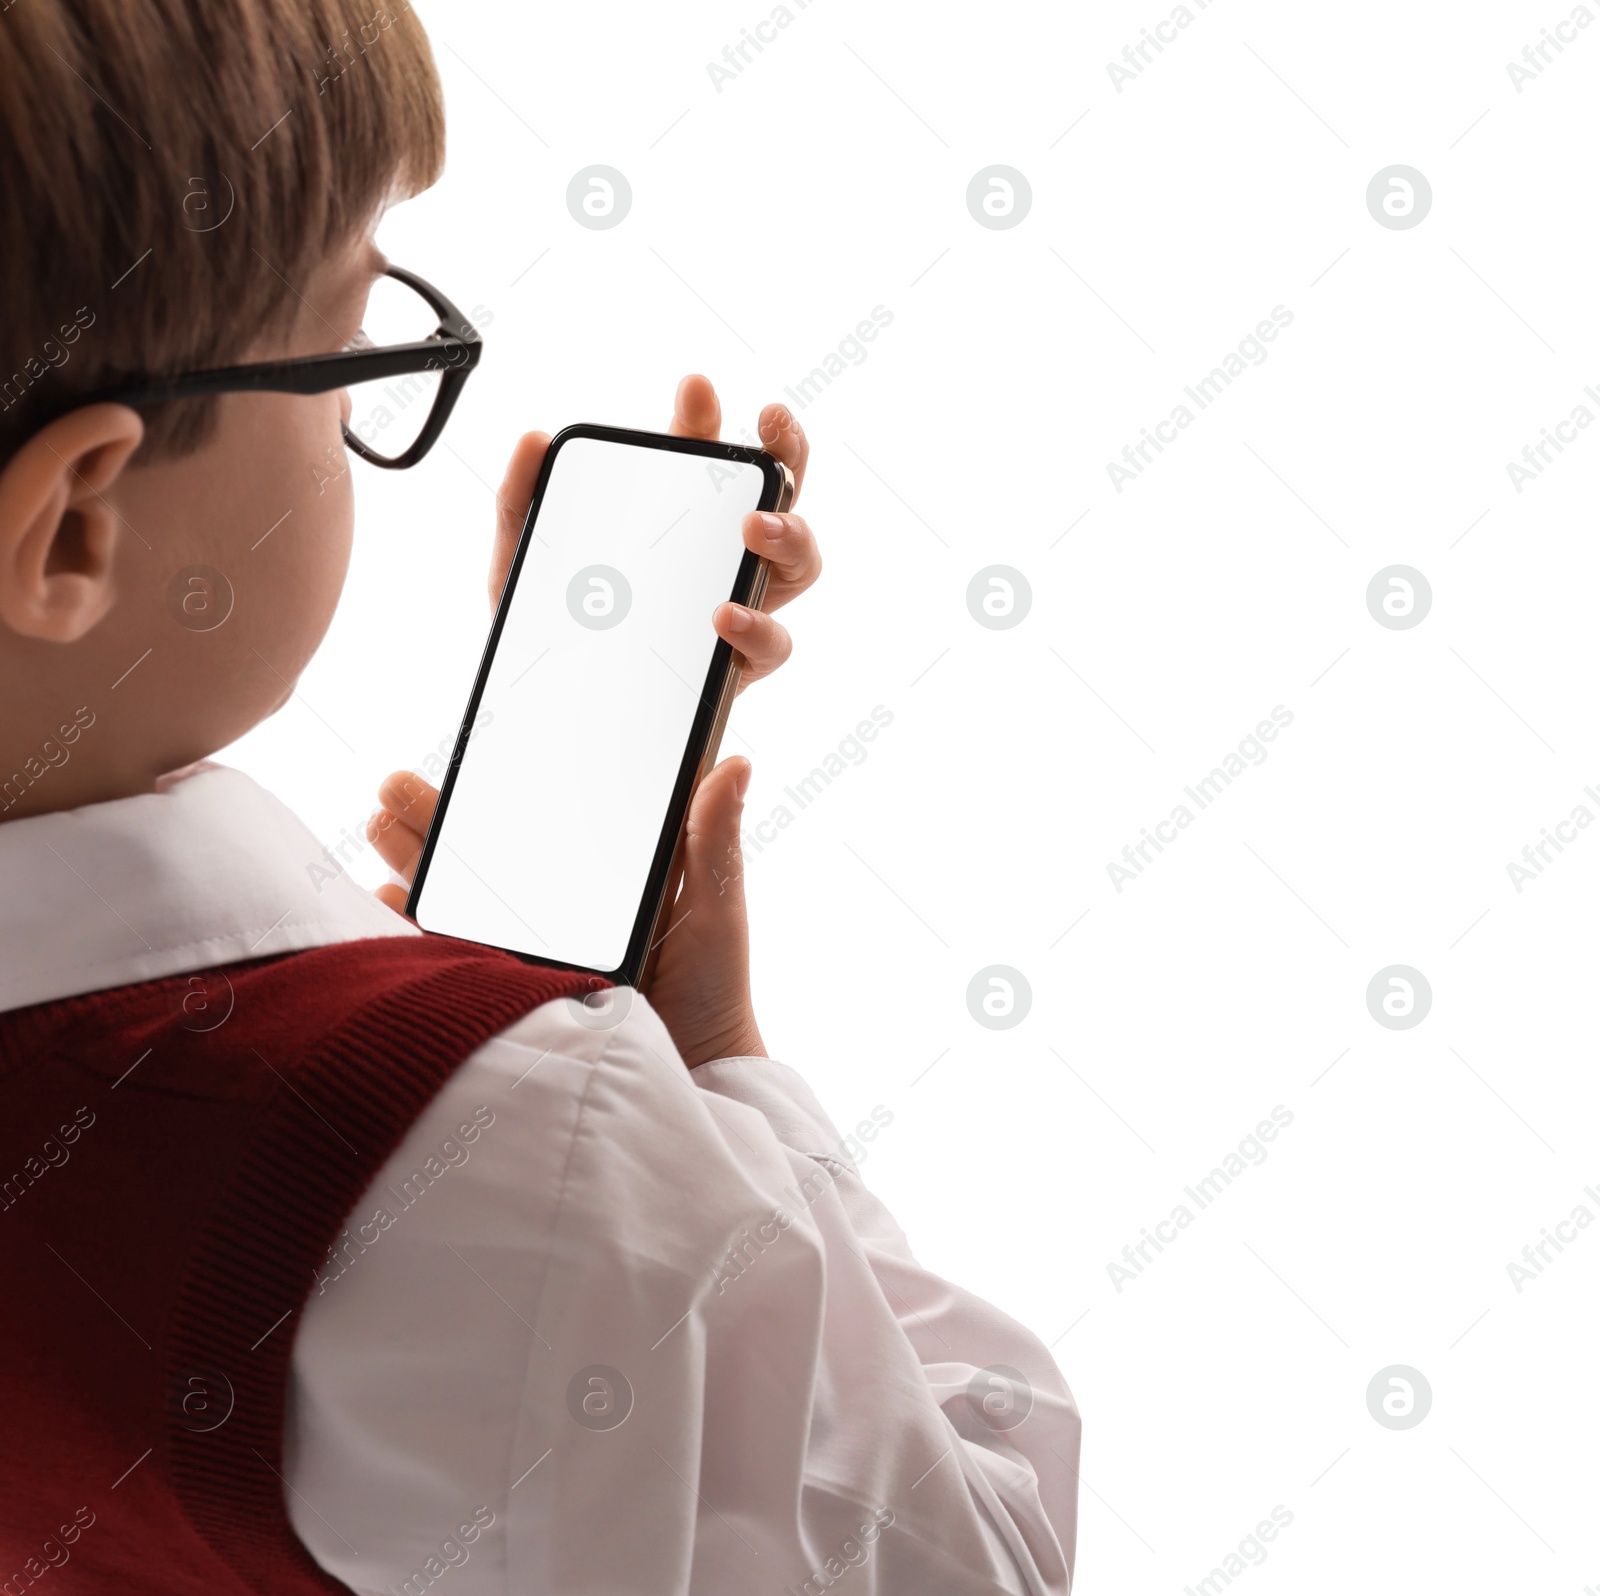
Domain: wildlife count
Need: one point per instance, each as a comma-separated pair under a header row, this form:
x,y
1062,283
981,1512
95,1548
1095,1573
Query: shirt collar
x,y
210,869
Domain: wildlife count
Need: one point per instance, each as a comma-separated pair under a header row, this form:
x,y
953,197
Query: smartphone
x,y
599,703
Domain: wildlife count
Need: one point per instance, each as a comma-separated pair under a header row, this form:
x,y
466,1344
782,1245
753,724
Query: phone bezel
x,y
747,582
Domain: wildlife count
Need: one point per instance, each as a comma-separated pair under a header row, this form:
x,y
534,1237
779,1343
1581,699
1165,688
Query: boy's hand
x,y
760,643
700,983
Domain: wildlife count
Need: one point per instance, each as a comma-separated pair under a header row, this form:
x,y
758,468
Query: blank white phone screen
x,y
546,845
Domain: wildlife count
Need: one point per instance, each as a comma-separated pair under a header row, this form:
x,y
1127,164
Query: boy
x,y
338,1256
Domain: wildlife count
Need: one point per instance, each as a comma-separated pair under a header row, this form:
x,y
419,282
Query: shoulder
x,y
603,1065
582,1116
600,1068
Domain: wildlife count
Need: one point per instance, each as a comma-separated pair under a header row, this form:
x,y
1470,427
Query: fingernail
x,y
772,525
742,785
740,619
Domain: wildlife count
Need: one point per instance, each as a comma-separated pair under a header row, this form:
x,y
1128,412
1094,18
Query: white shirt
x,y
799,1402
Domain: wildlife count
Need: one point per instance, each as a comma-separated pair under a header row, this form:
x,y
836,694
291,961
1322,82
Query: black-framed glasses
x,y
404,372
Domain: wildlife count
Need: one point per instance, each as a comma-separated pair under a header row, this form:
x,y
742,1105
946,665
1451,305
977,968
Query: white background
x,y
1168,219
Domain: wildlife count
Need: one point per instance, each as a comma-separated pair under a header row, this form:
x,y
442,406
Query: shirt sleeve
x,y
648,1331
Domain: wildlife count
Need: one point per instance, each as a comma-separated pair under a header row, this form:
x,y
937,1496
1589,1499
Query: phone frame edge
x,y
705,732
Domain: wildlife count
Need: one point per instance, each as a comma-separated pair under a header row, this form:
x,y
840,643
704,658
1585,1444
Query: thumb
x,y
713,868
511,506
701,985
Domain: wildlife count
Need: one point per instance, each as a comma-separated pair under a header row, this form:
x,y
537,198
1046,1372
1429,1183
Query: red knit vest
x,y
176,1159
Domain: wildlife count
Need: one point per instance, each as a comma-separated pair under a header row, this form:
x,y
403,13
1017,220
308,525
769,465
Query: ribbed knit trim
x,y
314,1148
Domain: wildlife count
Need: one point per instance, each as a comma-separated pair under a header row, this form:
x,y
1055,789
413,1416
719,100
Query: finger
x,y
761,643
399,826
392,896
406,795
696,411
398,845
713,866
789,545
511,505
783,436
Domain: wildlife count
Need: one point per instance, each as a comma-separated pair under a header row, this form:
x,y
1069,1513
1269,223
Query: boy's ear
x,y
57,532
